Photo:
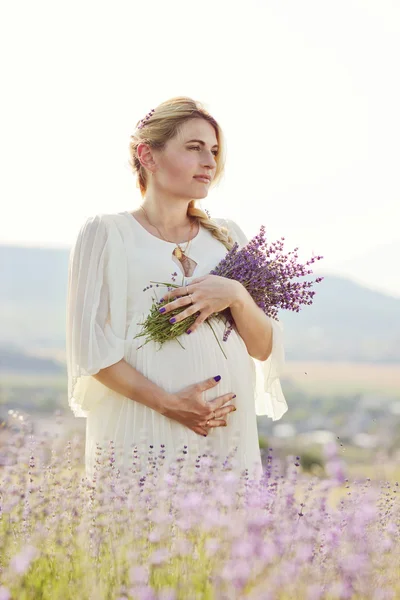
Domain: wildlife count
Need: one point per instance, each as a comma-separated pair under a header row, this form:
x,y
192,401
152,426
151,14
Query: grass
x,y
327,378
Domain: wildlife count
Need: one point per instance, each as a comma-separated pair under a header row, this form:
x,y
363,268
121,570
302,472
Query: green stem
x,y
177,339
209,324
174,285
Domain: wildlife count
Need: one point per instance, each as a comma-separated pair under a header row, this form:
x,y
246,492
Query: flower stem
x,y
174,285
209,324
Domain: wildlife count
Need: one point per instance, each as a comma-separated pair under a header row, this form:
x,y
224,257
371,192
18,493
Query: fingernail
x,y
234,409
217,378
204,434
234,396
161,299
189,331
172,320
161,309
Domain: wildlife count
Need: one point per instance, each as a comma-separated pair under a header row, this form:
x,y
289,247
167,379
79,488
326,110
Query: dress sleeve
x,y
269,397
96,309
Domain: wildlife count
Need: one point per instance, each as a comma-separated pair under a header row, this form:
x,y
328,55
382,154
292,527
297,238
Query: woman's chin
x,y
201,194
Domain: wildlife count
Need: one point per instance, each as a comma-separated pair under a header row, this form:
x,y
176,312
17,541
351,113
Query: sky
x,y
307,95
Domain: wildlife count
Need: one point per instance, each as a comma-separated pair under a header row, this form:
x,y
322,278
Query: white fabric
x,y
112,261
96,309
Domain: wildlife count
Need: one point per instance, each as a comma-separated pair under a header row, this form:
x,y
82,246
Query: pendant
x,y
178,253
187,264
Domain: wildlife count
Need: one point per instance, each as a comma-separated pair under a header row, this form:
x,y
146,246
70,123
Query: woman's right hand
x,y
188,407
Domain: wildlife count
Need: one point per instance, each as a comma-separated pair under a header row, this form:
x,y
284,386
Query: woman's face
x,y
183,158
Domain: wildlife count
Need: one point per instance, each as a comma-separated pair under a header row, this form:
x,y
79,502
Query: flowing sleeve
x,y
96,310
269,397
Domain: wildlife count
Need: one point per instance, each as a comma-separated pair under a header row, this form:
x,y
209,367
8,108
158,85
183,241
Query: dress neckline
x,y
157,238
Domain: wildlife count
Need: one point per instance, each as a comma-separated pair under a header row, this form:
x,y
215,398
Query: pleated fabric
x,y
111,264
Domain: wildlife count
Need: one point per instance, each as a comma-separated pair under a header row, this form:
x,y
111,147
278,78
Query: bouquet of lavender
x,y
266,273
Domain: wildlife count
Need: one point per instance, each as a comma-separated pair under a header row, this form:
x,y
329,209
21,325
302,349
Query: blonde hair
x,y
164,124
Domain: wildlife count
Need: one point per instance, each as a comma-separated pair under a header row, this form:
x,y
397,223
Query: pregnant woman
x,y
138,395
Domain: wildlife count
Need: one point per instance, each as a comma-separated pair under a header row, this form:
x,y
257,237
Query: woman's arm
x,y
128,381
212,294
253,324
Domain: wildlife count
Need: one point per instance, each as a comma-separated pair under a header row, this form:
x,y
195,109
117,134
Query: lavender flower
x,y
266,273
170,531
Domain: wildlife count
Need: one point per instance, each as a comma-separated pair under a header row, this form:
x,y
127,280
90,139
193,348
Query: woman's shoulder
x,y
110,223
234,229
99,219
221,221
116,218
225,222
100,230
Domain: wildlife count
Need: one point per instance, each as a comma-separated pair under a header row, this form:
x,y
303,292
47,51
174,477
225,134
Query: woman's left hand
x,y
210,294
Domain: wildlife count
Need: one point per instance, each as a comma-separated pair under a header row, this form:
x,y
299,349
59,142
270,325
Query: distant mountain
x,y
376,269
33,295
346,322
16,361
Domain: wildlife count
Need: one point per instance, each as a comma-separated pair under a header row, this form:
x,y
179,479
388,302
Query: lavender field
x,y
192,530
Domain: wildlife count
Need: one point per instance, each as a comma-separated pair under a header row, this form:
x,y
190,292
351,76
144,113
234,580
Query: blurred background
x,y
307,95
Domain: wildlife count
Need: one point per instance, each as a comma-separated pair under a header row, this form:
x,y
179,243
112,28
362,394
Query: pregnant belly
x,y
173,368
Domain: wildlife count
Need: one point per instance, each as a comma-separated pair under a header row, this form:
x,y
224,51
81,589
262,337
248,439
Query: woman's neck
x,y
170,218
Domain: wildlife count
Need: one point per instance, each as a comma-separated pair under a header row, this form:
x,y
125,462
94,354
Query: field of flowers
x,y
199,531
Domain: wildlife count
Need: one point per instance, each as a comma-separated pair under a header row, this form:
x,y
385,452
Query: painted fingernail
x,y
217,378
189,331
234,396
204,434
161,309
172,320
233,409
161,299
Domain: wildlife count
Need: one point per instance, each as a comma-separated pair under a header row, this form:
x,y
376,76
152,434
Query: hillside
x,y
346,322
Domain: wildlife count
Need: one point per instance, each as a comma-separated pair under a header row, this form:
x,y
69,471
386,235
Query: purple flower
x,y
267,274
21,561
139,574
5,594
159,556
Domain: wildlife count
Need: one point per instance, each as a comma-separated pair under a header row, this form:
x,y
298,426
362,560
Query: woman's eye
x,y
215,152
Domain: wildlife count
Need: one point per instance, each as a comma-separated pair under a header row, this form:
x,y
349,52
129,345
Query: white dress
x,y
112,261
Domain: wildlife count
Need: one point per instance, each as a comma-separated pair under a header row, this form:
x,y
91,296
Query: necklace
x,y
188,264
178,252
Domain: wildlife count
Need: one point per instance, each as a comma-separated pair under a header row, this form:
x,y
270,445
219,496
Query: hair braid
x,y
220,233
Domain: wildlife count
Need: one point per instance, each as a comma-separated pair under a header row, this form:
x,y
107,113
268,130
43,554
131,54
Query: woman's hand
x,y
206,295
188,407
